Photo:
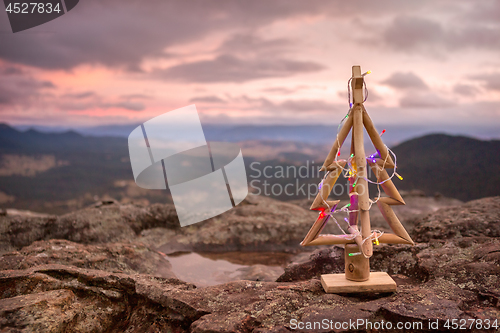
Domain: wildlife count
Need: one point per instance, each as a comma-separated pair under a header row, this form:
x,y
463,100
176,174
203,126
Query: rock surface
x,y
471,263
471,258
475,218
416,203
128,258
59,298
62,286
325,261
102,223
56,298
257,224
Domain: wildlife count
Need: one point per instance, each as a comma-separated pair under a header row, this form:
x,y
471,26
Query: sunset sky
x,y
254,62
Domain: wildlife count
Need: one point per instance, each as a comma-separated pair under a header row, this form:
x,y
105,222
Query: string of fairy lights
x,y
350,172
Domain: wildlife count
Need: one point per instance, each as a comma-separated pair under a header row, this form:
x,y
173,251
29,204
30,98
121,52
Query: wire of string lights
x,y
350,171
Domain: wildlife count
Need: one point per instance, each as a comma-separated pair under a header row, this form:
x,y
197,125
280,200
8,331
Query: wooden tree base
x,y
379,282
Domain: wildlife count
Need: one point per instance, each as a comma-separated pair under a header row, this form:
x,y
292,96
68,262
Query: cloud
x,y
241,58
474,37
21,94
400,80
228,68
207,99
304,105
413,33
487,11
424,100
93,105
217,41
244,44
80,95
136,96
11,70
89,100
289,90
18,89
465,89
263,104
123,33
408,33
489,81
127,105
280,90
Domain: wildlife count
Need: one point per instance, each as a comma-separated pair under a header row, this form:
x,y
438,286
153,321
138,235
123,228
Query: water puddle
x,y
208,269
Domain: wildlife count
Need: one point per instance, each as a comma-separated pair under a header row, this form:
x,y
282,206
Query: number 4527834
x,y
471,323
32,7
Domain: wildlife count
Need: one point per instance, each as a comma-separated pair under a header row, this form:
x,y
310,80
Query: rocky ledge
x,y
257,224
453,272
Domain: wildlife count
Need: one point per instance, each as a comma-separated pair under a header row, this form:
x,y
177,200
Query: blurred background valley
x,y
56,171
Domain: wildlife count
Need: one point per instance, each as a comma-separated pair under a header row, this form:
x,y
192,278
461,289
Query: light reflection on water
x,y
207,269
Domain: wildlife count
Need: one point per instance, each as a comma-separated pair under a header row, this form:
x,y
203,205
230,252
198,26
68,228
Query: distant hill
x,y
83,166
316,134
77,169
455,166
33,141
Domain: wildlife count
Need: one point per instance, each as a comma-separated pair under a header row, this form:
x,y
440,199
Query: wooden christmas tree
x,y
359,240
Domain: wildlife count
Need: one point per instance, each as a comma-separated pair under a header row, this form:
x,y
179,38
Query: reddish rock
x,y
128,258
326,261
476,218
256,224
101,301
445,278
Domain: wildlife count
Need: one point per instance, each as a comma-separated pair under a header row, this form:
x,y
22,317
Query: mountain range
x,y
49,171
318,134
